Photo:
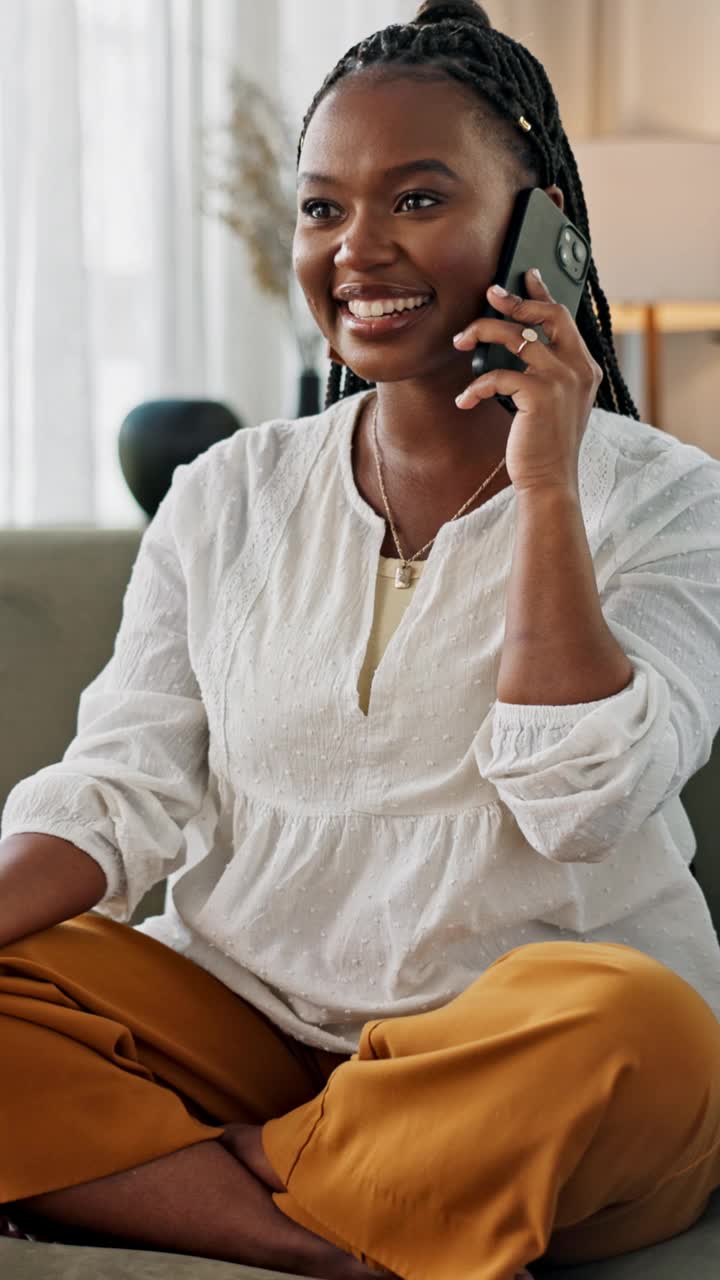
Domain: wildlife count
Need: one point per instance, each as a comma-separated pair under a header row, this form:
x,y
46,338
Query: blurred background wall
x,y
643,69
118,286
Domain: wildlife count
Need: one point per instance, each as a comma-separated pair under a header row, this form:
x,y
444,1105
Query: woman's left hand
x,y
553,394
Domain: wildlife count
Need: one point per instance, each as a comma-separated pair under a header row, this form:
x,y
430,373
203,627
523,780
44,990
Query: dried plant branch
x,y
259,182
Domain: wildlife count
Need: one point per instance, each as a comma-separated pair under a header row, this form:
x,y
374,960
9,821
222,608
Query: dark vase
x,y
160,435
309,393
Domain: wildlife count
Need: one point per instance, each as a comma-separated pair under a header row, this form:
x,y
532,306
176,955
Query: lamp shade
x,y
654,211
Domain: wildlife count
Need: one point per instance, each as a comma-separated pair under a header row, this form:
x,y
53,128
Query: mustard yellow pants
x,y
565,1106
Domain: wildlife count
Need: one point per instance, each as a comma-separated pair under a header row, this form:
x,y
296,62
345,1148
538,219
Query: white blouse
x,y
354,866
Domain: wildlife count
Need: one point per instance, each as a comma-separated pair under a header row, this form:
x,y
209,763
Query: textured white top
x,y
355,866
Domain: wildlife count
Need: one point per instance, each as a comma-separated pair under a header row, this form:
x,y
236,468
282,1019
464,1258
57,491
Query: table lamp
x,y
654,210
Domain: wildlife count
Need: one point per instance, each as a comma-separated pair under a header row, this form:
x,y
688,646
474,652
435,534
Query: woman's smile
x,y
406,313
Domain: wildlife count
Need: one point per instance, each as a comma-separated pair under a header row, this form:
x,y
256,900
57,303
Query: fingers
x,y
511,336
561,362
539,308
499,382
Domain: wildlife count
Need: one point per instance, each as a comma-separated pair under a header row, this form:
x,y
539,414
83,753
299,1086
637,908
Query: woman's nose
x,y
364,245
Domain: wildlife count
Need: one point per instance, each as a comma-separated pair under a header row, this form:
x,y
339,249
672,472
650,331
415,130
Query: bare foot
x,y
244,1142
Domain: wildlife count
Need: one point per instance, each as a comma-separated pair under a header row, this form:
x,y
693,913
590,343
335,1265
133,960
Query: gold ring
x,y
528,335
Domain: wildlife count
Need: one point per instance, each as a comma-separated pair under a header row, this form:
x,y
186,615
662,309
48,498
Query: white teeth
x,y
385,307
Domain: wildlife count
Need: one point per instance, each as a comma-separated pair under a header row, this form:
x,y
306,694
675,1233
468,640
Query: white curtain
x,y
46,437
116,286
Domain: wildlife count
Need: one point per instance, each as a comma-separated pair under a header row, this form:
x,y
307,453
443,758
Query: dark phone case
x,y
531,241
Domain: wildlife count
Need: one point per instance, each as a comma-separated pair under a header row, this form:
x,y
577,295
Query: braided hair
x,y
455,38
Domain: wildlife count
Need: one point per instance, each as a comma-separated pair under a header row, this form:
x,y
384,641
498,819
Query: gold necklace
x,y
402,573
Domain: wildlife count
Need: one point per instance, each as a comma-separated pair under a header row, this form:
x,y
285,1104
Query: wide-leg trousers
x,y
565,1106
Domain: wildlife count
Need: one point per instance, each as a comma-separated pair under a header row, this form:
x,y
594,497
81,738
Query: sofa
x,y
61,592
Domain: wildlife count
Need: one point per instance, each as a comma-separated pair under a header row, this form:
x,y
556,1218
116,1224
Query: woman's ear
x,y
333,355
556,196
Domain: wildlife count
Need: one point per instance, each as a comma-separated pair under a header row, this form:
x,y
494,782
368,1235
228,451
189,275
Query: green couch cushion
x,y
694,1255
22,1261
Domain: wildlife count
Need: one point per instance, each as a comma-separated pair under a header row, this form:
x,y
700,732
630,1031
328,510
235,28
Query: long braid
x,y
455,39
332,391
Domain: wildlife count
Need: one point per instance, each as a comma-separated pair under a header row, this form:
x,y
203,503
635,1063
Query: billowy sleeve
x,y
578,779
137,769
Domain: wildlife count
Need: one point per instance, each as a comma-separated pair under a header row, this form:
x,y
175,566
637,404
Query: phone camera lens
x,y
565,256
579,251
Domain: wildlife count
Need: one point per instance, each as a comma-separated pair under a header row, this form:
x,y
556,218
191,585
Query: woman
x,y
442,995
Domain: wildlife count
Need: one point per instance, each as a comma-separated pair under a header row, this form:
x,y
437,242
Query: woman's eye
x,y
419,195
310,206
316,210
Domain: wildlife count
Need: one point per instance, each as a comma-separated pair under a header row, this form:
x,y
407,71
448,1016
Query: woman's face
x,y
370,215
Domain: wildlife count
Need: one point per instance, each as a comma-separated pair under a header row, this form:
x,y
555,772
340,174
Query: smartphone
x,y
539,235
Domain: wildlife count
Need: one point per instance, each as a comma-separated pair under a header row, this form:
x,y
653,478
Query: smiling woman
x,y
512,104
442,996
410,160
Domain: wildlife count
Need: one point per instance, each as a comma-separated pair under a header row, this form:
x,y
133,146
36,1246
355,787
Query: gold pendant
x,y
403,575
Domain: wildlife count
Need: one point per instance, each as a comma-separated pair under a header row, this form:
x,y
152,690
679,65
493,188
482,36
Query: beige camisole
x,y
390,605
